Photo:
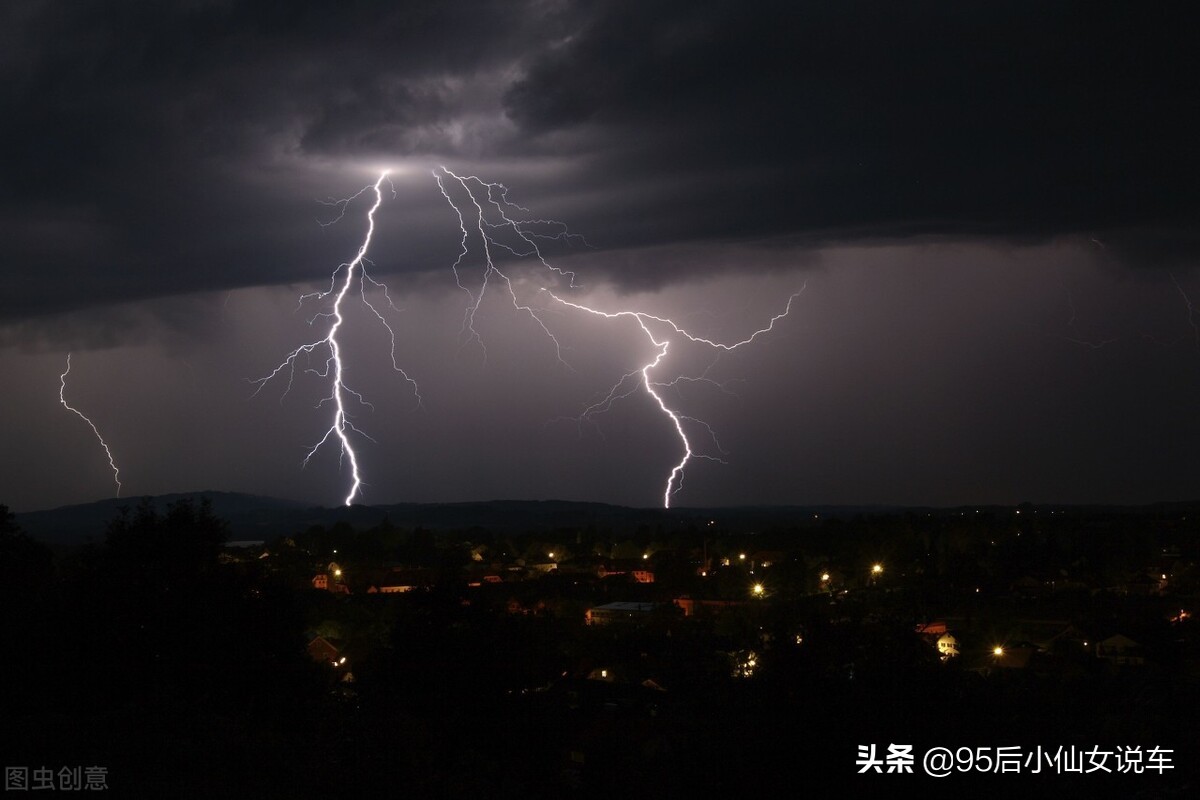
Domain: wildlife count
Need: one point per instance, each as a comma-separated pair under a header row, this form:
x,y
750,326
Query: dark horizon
x,y
263,518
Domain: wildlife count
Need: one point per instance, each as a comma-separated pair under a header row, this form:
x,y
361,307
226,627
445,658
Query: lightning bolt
x,y
62,397
489,223
644,377
502,230
486,216
334,370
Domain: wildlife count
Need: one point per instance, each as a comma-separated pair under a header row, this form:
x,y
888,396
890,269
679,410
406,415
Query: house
x,y
636,569
1144,585
932,629
1119,649
323,650
947,647
331,580
399,580
1050,634
690,605
618,613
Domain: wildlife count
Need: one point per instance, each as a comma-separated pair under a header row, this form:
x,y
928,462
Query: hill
x,y
259,518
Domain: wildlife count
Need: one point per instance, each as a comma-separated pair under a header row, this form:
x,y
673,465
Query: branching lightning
x,y
494,229
62,397
487,217
333,369
644,377
489,221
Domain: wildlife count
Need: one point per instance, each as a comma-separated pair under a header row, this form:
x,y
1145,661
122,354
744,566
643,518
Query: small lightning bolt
x,y
62,397
644,377
333,369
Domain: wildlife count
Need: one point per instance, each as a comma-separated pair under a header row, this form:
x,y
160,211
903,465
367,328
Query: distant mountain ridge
x,y
253,517
79,523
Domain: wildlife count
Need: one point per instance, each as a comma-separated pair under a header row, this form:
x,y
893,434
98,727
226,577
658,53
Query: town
x,y
679,657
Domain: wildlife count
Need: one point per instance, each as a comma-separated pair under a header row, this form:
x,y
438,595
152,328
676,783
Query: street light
x,y
877,569
757,590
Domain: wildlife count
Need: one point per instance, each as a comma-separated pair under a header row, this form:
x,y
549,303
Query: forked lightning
x,y
352,271
652,386
486,216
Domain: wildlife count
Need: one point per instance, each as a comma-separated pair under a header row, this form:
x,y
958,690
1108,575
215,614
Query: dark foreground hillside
x,y
452,665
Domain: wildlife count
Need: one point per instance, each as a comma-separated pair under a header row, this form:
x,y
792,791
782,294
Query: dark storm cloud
x,y
159,148
154,148
886,119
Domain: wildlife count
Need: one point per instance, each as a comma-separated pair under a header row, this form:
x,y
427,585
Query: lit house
x,y
619,613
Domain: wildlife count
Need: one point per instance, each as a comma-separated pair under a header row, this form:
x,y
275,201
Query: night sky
x,y
992,210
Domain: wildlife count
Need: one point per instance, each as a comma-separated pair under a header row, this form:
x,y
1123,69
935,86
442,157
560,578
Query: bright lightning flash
x,y
662,341
502,230
353,272
62,392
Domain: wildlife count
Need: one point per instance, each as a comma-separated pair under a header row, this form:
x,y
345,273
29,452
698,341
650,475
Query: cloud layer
x,y
154,149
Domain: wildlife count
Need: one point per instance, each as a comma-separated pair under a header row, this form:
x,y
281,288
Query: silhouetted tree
x,y
168,551
26,601
28,567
